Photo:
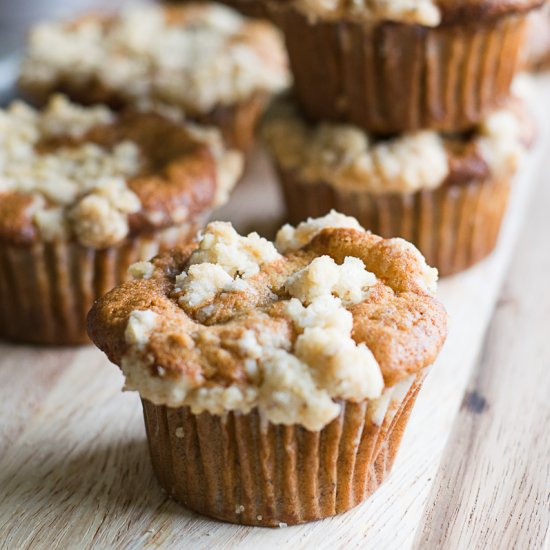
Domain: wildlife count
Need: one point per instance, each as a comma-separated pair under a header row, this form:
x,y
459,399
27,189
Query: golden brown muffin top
x,y
428,13
350,159
232,323
90,175
196,57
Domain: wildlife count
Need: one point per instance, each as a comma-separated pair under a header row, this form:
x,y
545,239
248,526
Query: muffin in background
x,y
446,193
84,194
203,59
276,381
396,66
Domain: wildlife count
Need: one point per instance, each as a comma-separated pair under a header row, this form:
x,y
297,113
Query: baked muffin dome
x,y
90,175
234,323
205,60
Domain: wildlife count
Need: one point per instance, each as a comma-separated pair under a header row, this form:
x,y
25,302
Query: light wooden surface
x,y
74,469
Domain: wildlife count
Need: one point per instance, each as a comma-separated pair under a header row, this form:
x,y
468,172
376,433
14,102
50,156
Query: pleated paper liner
x,y
243,469
46,290
389,78
454,226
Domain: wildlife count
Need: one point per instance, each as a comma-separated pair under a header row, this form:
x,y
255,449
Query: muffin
x,y
204,59
276,381
397,66
446,193
84,194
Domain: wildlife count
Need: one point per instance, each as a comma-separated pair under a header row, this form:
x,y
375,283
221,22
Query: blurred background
x,y
17,16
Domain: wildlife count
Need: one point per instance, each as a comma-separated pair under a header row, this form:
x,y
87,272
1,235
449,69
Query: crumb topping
x,y
140,326
82,188
288,341
349,159
96,177
500,141
324,277
238,256
141,270
194,57
421,12
224,261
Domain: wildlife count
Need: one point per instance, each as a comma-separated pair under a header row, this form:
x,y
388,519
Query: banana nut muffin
x,y
401,65
276,380
206,60
84,193
446,193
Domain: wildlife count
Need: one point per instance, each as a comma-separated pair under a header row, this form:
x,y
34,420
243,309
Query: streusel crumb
x,y
342,317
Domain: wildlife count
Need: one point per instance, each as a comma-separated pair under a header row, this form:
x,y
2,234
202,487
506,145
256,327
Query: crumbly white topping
x,y
343,368
293,238
202,282
339,365
222,262
324,312
422,12
82,188
63,118
323,276
141,270
140,326
500,142
236,255
347,158
292,379
290,395
206,60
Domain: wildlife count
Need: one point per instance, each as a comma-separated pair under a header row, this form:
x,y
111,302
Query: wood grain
x,y
493,486
75,473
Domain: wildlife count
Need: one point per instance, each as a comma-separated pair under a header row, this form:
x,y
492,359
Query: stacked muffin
x,y
204,60
404,118
128,165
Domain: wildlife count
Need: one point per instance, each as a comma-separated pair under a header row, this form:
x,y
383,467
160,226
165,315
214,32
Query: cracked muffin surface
x,y
196,57
327,313
95,177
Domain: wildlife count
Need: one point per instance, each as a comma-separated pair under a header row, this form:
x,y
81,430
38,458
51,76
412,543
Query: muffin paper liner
x,y
46,290
454,226
242,469
389,78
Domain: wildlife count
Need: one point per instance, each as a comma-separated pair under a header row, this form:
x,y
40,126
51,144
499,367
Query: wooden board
x,y
74,468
